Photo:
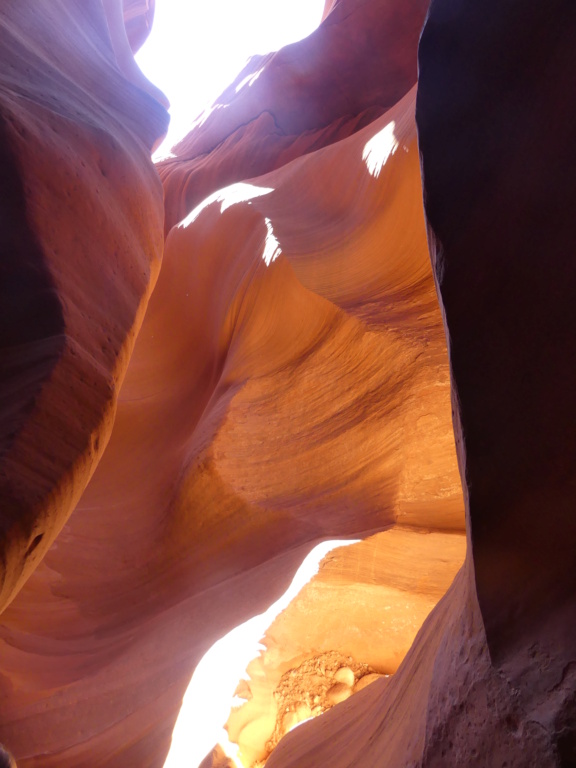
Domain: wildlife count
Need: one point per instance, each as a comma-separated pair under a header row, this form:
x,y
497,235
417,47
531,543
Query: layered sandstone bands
x,y
80,253
490,678
250,425
288,382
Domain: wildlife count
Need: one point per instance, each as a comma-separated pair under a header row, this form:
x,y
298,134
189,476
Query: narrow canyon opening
x,y
351,624
213,362
284,381
212,692
195,51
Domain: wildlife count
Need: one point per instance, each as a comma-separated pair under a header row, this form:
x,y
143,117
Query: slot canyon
x,y
342,308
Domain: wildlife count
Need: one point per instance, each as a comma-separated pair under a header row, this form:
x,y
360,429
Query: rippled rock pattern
x,y
80,251
287,381
490,679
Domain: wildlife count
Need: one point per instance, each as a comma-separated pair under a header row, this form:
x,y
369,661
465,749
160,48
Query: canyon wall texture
x,y
490,679
287,381
80,251
292,102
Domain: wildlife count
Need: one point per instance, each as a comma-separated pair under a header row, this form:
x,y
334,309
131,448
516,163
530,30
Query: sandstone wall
x,y
288,381
81,232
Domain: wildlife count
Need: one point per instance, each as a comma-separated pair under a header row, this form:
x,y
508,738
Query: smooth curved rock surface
x,y
289,378
80,251
290,384
490,679
292,102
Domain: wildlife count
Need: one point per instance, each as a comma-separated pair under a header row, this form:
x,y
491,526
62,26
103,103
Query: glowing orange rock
x,y
288,377
289,382
490,678
350,626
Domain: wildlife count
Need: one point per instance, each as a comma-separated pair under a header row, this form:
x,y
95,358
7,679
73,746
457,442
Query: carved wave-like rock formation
x,y
175,439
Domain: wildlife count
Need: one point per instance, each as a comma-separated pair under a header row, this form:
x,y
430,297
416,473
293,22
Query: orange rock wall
x,y
351,625
272,399
288,381
490,678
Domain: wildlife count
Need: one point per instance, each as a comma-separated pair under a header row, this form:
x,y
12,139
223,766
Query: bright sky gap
x,y
196,49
